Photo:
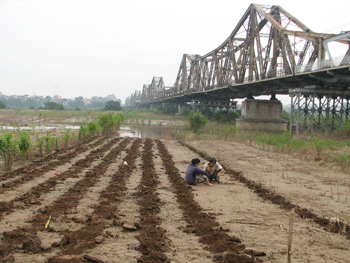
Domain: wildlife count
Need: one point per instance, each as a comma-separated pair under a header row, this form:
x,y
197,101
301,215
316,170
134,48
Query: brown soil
x,y
125,200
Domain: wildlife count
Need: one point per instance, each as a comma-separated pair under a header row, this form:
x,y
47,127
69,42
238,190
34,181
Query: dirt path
x,y
125,200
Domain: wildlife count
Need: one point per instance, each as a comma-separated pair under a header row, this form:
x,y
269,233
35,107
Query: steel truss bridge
x,y
268,52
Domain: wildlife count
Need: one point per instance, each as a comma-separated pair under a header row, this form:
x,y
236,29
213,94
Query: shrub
x,y
8,148
82,132
40,144
197,121
106,122
3,105
59,107
113,106
49,141
92,128
23,143
66,137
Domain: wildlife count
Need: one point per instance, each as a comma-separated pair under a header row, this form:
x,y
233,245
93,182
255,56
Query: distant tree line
x,y
48,103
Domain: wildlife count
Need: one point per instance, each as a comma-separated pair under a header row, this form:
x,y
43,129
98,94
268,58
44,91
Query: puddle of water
x,y
40,128
151,132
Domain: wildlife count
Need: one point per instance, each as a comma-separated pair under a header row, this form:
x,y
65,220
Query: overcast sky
x,y
95,48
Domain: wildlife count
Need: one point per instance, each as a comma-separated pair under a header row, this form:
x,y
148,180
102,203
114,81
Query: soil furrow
x,y
69,199
184,246
104,215
18,218
121,244
282,201
32,197
211,234
153,242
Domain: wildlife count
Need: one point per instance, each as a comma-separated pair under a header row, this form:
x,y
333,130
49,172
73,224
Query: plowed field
x,y
125,200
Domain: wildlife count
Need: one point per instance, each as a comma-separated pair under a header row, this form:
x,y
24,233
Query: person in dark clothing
x,y
194,174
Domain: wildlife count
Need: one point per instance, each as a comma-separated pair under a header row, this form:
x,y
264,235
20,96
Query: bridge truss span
x,y
268,52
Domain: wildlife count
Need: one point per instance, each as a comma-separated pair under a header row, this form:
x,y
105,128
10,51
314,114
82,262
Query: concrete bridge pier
x,y
182,107
261,115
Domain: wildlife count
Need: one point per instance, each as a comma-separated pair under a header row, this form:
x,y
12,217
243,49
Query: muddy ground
x,y
125,200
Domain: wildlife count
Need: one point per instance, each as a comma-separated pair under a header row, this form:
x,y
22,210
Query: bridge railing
x,y
326,63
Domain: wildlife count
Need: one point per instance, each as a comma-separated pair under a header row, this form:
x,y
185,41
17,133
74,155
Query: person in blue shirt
x,y
194,174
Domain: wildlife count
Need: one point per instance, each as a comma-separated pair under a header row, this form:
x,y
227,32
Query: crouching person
x,y
214,169
194,174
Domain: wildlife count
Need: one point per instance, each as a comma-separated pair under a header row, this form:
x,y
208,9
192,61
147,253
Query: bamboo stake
x,y
338,193
290,236
270,185
346,194
331,191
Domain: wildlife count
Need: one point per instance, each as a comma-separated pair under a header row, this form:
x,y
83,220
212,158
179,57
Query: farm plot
x,y
125,200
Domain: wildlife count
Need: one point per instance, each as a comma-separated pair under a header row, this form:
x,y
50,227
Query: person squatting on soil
x,y
194,174
214,169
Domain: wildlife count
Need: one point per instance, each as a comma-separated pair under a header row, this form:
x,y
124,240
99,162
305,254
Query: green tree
x,y
113,106
59,106
3,105
197,121
53,106
50,105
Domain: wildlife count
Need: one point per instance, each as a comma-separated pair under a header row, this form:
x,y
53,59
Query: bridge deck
x,y
337,78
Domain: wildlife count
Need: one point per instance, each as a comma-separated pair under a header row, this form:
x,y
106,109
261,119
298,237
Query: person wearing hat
x,y
214,169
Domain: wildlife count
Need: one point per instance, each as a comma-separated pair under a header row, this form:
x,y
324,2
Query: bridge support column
x,y
317,109
182,108
261,115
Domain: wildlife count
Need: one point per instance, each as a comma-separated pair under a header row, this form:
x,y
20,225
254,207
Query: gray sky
x,y
95,48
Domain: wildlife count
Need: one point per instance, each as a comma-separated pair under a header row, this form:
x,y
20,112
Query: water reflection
x,y
40,128
151,132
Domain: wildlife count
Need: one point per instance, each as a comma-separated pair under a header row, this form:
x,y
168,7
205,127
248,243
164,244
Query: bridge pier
x,y
261,115
182,107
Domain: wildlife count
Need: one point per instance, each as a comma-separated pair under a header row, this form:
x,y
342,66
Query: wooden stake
x,y
346,194
290,235
331,191
338,193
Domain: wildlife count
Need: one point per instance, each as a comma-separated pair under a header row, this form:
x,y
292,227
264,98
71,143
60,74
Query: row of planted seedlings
x,y
23,145
25,238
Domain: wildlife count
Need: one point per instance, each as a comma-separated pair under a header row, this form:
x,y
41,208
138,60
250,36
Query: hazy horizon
x,y
89,48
